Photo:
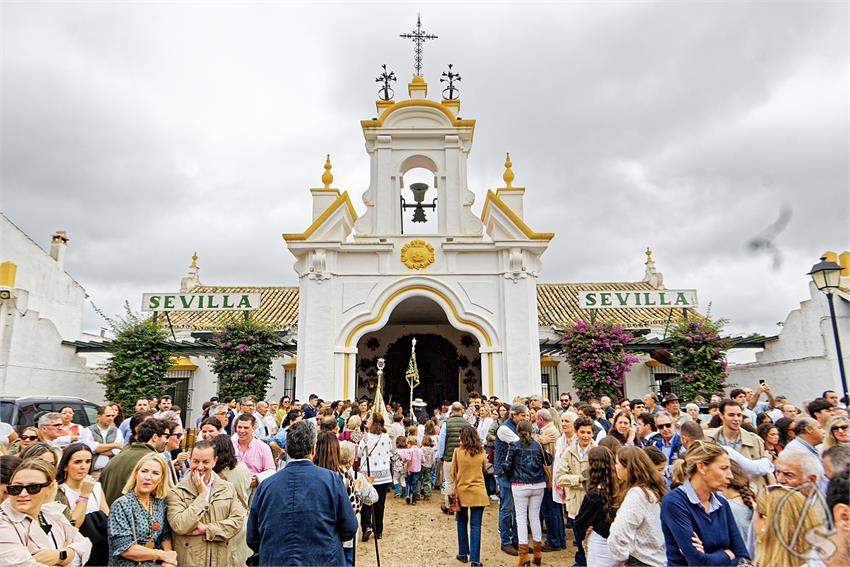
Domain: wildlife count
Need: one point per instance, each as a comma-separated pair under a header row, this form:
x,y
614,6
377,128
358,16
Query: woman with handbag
x,y
83,496
375,450
33,530
139,533
527,461
469,464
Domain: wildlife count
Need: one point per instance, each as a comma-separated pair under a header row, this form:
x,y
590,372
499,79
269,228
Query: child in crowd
x,y
413,458
397,465
429,454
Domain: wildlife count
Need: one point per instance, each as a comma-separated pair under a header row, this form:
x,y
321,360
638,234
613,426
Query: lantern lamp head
x,y
826,275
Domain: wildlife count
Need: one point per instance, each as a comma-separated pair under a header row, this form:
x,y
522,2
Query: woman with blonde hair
x,y
33,530
352,430
699,527
139,533
782,520
836,432
635,536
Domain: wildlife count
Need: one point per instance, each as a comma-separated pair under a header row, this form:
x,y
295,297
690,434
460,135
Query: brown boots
x,y
523,558
538,552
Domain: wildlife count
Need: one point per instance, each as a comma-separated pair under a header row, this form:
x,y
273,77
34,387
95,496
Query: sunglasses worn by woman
x,y
17,489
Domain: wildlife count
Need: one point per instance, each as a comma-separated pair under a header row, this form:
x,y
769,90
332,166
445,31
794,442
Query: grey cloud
x,y
149,131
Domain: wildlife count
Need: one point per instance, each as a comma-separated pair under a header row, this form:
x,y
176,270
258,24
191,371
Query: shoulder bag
x,y
547,464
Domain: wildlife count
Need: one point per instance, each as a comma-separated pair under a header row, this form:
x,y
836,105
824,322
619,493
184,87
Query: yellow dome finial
x,y
327,176
194,265
509,174
649,257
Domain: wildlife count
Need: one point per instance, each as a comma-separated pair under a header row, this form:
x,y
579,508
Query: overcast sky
x,y
149,131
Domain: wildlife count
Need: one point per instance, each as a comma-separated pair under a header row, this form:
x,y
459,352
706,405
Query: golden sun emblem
x,y
417,254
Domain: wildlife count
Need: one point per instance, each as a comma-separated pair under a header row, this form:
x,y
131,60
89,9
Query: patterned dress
x,y
123,515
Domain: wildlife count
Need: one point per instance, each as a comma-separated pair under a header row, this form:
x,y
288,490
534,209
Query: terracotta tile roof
x,y
278,307
557,304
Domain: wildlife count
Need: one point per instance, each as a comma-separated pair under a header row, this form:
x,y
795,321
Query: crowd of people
x,y
737,480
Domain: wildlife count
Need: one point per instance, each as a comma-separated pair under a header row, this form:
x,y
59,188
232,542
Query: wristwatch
x,y
63,555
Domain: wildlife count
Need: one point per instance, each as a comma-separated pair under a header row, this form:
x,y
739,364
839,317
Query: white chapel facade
x,y
475,277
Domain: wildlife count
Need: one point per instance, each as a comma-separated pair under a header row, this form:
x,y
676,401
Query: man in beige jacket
x,y
731,435
572,475
204,511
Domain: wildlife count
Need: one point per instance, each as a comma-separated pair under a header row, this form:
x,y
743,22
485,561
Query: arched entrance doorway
x,y
448,359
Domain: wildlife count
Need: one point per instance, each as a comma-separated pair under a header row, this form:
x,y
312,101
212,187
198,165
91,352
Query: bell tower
x,y
418,133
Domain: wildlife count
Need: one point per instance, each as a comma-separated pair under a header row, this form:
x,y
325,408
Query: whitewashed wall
x,y
802,362
34,360
52,292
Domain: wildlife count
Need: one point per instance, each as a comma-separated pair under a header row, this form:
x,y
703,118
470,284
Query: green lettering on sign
x,y
681,299
154,302
606,298
662,298
169,302
244,302
591,299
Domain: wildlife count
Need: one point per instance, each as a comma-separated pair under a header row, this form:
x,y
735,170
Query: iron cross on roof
x,y
418,37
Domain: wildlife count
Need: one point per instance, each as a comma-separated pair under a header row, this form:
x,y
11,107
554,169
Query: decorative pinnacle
x,y
649,258
418,37
509,174
450,77
386,93
327,176
194,265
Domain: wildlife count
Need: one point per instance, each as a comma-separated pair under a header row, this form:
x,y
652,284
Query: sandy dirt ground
x,y
422,536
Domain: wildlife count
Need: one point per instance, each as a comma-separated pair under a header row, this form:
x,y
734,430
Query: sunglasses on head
x,y
664,425
16,489
29,437
841,427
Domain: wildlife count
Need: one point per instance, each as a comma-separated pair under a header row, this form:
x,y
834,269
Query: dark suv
x,y
21,412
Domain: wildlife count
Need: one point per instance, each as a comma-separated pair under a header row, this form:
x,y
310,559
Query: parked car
x,y
22,412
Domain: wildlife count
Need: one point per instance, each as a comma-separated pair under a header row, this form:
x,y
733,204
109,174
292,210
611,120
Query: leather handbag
x,y
547,465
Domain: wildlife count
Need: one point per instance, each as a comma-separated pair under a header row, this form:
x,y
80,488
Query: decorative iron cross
x,y
451,91
418,37
386,93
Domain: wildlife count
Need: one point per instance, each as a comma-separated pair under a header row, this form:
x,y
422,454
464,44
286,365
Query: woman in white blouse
x,y
375,450
484,423
79,490
33,531
636,537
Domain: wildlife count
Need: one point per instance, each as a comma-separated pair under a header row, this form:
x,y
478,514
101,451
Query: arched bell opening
x,y
418,187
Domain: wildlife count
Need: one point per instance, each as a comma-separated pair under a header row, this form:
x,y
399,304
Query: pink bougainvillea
x,y
597,358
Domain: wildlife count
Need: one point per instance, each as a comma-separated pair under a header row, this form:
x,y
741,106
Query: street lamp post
x,y
827,276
